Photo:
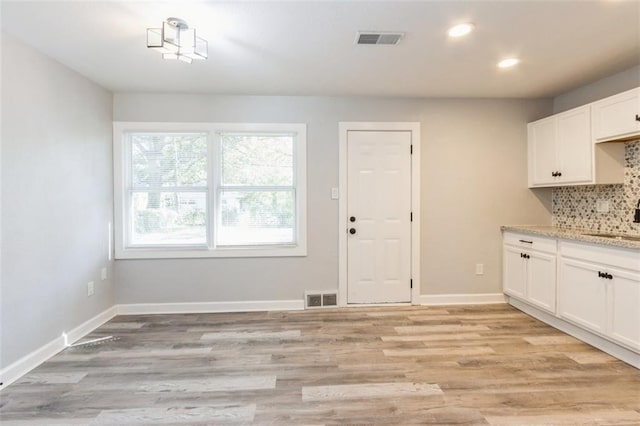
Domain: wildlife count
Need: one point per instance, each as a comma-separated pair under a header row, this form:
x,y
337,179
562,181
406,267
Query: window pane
x,y
254,217
166,218
257,160
165,160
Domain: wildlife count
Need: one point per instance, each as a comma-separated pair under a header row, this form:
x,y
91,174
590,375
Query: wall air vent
x,y
320,299
377,37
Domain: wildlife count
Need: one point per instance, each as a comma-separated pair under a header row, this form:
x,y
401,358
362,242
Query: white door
x,y
379,216
582,294
541,280
542,152
515,279
575,146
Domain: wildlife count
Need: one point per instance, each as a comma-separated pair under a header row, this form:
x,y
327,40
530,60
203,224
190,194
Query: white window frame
x,y
210,249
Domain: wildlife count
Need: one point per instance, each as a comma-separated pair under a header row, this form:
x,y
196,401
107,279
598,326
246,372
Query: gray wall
x,y
473,180
56,199
599,89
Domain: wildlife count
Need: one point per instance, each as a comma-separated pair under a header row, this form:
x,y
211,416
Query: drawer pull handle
x,y
525,241
605,275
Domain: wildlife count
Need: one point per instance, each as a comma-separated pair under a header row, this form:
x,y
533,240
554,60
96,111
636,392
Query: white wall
x,y
474,179
56,199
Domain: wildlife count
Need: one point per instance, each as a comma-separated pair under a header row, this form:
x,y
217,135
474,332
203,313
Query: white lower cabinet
x,y
530,270
597,287
601,298
582,295
624,303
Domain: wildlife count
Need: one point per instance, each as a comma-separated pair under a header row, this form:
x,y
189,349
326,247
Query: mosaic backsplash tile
x,y
574,207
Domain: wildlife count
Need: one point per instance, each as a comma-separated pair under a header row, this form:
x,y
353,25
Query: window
x,y
209,190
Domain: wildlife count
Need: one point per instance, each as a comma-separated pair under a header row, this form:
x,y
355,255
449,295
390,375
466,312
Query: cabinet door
x,y
514,273
625,308
541,280
575,148
542,152
582,295
615,117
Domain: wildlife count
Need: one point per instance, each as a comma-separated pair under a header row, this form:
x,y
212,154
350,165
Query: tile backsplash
x,y
574,207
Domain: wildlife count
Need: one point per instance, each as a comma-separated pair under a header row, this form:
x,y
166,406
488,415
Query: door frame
x,y
344,128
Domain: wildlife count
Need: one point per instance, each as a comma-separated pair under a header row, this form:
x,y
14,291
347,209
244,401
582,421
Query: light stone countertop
x,y
572,234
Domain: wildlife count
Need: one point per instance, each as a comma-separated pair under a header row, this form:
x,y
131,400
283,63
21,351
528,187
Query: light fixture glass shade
x,y
175,40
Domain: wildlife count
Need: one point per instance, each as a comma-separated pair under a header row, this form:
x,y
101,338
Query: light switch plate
x,y
334,193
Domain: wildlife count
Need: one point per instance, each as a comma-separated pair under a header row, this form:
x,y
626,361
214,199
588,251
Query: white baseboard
x,y
461,299
19,368
604,345
209,307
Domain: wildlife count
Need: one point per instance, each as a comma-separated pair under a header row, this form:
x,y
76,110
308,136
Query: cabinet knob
x,y
637,117
352,219
352,231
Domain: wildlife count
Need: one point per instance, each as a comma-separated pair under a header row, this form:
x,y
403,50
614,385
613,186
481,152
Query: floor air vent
x,y
376,37
320,299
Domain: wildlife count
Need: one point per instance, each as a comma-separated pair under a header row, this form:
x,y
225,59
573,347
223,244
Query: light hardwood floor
x,y
387,365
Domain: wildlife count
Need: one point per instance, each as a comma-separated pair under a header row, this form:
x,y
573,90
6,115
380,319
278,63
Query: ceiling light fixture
x,y
175,40
460,30
508,63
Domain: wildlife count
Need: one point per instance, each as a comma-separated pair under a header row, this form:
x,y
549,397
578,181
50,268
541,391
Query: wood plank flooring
x,y
474,365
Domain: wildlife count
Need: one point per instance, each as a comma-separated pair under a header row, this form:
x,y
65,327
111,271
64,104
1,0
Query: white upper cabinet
x,y
617,117
560,149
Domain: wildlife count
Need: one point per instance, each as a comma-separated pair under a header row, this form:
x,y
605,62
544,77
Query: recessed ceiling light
x,y
460,30
508,63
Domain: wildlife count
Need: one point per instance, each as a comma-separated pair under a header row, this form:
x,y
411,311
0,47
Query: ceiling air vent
x,y
376,37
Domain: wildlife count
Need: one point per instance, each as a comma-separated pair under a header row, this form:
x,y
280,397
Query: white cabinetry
x,y
588,290
599,289
560,149
617,117
530,269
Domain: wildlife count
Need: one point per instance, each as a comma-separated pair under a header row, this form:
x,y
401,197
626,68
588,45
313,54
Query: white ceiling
x,y
307,48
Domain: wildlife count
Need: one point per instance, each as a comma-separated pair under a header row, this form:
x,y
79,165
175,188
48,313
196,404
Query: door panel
x,y
379,197
541,282
514,272
582,295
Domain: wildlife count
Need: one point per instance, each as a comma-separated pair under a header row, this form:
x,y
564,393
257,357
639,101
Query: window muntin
x,y
202,194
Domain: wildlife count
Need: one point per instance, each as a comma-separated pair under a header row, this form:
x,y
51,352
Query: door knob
x,y
352,219
352,231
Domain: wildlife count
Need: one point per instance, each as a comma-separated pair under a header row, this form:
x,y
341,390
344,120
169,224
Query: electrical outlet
x,y
103,274
602,206
479,269
90,289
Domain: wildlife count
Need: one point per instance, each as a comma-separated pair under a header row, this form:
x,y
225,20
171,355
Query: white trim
x,y
414,128
19,368
598,342
208,250
210,307
88,326
462,299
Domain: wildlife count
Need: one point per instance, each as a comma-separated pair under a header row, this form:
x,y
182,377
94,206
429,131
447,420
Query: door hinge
x,y
411,149
411,282
411,216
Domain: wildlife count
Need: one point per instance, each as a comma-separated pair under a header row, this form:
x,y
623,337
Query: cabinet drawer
x,y
617,257
531,242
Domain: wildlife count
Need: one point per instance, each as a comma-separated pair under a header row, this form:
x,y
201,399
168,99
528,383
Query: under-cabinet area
x,y
585,285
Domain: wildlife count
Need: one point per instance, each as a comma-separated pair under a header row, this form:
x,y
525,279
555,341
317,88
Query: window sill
x,y
195,253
